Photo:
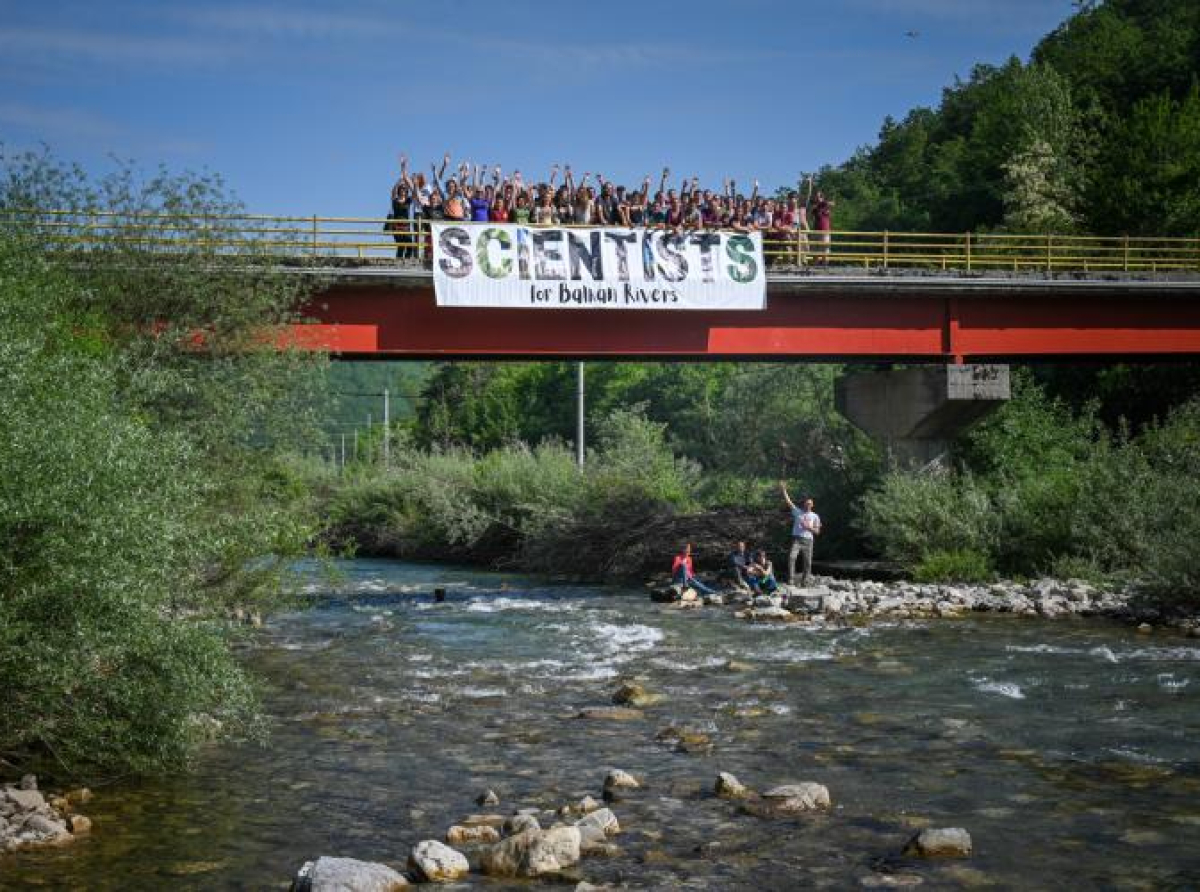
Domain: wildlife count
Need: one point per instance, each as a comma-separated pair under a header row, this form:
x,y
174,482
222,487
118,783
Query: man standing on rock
x,y
806,526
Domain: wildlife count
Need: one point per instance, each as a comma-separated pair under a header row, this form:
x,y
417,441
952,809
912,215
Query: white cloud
x,y
72,122
109,48
285,22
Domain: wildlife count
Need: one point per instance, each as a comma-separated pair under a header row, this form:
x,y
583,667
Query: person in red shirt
x,y
822,213
681,571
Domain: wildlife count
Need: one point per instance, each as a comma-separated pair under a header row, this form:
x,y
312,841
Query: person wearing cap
x,y
806,526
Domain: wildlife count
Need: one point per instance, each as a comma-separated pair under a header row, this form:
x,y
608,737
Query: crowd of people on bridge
x,y
473,193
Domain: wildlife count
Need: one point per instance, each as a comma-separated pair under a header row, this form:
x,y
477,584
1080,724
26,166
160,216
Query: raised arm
x,y
786,497
568,180
662,183
553,175
754,194
808,184
438,174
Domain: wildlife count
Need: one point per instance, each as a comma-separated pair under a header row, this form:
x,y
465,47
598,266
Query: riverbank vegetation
x,y
142,409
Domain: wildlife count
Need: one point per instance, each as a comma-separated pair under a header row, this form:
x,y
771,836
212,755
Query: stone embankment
x,y
518,848
846,600
30,818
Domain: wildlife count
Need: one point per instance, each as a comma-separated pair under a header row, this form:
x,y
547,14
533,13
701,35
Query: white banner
x,y
506,265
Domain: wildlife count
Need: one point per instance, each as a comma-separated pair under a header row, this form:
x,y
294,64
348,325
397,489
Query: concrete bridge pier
x,y
916,412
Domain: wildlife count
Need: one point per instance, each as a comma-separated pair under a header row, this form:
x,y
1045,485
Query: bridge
x,y
877,296
880,296
963,304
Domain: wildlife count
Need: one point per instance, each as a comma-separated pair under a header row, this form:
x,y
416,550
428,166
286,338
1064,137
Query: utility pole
x,y
579,397
387,433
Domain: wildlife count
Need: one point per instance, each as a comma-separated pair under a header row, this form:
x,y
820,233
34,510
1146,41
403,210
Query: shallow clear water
x,y
1069,749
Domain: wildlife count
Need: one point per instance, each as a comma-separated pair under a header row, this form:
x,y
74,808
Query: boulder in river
x,y
940,842
519,823
729,787
342,874
487,799
816,795
602,819
611,714
435,862
459,835
685,740
633,694
768,615
616,779
27,819
482,821
533,853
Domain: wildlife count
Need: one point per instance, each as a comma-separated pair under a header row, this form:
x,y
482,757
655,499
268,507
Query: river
x,y
1070,749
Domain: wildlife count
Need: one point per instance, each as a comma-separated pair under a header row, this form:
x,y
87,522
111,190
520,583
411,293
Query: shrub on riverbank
x,y
138,498
1041,489
522,506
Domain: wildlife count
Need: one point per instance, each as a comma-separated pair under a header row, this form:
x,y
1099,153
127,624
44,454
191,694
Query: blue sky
x,y
303,106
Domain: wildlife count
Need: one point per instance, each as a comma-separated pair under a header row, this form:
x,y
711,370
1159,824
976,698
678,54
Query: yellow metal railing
x,y
314,239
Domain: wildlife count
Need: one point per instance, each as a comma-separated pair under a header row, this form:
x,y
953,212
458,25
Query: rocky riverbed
x,y
29,817
1040,751
843,600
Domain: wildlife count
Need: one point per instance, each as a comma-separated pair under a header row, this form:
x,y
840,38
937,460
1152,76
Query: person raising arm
x,y
806,526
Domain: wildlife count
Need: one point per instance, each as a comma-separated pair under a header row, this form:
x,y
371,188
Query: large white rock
x,y
533,853
807,796
347,875
603,819
729,787
435,862
460,835
620,780
940,842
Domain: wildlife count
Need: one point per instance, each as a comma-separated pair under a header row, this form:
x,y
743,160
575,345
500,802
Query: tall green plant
x,y
143,403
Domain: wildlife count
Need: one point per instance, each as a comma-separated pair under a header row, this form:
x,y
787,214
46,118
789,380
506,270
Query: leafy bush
x,y
140,496
964,565
911,516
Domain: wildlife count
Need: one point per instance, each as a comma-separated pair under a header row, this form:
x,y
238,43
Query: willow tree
x,y
144,404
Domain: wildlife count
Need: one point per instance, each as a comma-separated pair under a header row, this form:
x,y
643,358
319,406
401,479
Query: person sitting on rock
x,y
682,575
761,574
739,564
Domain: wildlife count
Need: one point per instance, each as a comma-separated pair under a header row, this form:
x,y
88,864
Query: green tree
x,y
143,404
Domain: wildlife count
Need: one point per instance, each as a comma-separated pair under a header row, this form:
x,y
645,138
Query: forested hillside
x,y
1098,132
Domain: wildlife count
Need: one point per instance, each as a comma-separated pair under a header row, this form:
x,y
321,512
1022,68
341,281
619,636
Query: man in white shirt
x,y
806,526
